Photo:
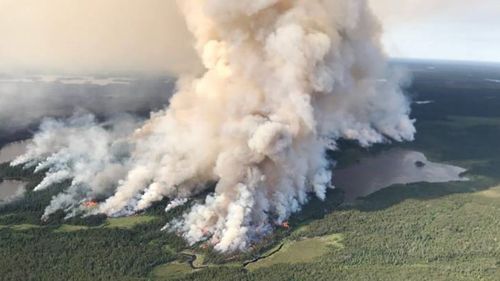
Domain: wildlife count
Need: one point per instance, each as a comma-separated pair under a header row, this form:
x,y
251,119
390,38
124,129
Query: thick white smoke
x,y
285,79
93,156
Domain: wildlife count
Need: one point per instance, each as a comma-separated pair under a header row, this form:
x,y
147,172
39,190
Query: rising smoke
x,y
284,80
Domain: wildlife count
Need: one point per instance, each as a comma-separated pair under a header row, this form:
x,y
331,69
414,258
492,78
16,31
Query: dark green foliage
x,y
94,220
95,254
18,173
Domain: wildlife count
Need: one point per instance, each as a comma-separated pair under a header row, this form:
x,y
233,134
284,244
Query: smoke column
x,y
284,80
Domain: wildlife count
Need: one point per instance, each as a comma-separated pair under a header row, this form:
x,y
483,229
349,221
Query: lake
x,y
395,166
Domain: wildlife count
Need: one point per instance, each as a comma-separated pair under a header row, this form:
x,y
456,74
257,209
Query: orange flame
x,y
285,224
90,204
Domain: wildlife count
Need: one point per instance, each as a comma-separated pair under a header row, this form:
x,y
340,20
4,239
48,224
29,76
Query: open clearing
x,y
300,251
70,228
23,227
128,222
493,193
171,271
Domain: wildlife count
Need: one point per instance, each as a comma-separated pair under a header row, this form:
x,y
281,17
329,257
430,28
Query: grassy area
x,y
23,227
300,251
493,194
70,228
123,223
199,261
171,271
128,222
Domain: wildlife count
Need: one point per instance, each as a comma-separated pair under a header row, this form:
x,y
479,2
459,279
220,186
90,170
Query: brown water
x,y
12,151
396,166
11,189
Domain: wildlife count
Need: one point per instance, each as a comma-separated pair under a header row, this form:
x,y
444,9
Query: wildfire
x,y
90,204
285,225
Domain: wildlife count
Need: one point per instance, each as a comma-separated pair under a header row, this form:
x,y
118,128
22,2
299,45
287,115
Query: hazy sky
x,y
441,29
91,35
147,35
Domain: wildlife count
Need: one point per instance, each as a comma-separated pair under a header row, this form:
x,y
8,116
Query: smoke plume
x,y
284,80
